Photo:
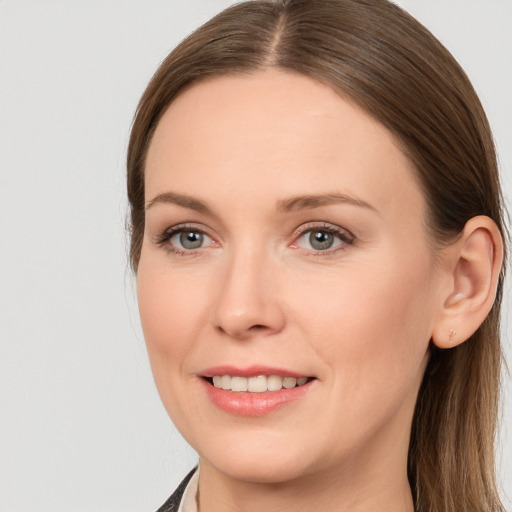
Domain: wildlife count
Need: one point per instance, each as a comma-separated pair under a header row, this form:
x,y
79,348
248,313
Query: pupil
x,y
321,240
191,240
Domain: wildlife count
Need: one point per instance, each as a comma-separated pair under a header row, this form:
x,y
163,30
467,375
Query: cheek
x,y
373,334
169,307
373,330
171,321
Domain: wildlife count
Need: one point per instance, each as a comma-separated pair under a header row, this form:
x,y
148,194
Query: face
x,y
287,286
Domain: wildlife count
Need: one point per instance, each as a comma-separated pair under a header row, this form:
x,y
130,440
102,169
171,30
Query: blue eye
x,y
322,239
184,240
189,239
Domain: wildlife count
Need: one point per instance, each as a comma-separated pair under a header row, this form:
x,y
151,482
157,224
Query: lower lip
x,y
254,404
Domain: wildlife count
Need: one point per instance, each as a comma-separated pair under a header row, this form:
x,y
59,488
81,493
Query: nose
x,y
248,304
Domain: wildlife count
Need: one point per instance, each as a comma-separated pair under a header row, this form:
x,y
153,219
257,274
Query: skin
x,y
358,317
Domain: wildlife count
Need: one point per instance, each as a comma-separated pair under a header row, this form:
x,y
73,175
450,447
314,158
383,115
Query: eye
x,y
183,239
322,238
318,240
189,240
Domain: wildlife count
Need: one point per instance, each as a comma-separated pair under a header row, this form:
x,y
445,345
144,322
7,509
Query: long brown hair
x,y
389,64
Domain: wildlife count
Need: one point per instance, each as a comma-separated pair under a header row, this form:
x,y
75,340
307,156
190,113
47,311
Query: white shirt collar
x,y
188,501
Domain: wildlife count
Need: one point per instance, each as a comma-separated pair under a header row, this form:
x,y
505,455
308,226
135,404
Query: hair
x,y
385,61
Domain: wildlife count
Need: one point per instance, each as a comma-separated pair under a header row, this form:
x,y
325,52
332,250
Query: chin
x,y
256,462
267,470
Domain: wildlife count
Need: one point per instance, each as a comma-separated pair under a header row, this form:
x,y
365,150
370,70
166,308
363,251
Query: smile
x,y
256,384
254,391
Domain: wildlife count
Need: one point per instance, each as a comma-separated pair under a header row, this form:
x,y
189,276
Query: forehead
x,y
274,133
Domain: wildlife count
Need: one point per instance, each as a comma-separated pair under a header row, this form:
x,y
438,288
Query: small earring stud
x,y
451,335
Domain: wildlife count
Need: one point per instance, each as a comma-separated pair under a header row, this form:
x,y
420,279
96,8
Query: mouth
x,y
255,391
257,383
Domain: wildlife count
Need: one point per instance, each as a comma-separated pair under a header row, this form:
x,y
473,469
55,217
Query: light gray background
x,y
81,426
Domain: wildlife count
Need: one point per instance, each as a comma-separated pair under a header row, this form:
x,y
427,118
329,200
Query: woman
x,y
318,240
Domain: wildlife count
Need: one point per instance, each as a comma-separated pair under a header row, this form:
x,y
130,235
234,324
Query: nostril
x,y
257,327
253,330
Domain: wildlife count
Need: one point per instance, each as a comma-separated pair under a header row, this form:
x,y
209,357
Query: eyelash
x,y
164,238
345,237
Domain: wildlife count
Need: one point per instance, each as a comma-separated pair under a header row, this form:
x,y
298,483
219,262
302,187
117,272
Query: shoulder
x,y
172,504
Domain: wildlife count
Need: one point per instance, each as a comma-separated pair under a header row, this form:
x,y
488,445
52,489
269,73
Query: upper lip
x,y
250,371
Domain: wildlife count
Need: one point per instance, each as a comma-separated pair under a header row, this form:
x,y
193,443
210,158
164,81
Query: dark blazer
x,y
173,503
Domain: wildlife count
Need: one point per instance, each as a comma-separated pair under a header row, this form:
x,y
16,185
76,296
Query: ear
x,y
474,263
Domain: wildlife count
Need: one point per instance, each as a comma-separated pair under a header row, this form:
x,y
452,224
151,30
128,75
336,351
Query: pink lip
x,y
252,404
251,371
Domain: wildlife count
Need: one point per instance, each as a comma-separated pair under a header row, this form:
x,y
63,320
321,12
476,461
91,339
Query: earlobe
x,y
475,261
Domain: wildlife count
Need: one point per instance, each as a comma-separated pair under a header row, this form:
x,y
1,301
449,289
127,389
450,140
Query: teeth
x,y
225,382
274,383
238,384
289,382
258,384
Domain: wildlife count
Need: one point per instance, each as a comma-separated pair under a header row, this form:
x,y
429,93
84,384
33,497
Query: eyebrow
x,y
181,200
303,202
315,201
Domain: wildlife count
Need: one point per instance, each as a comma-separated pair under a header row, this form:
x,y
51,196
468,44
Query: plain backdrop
x,y
81,425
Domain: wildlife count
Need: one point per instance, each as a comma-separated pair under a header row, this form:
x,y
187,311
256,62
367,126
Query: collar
x,y
188,501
